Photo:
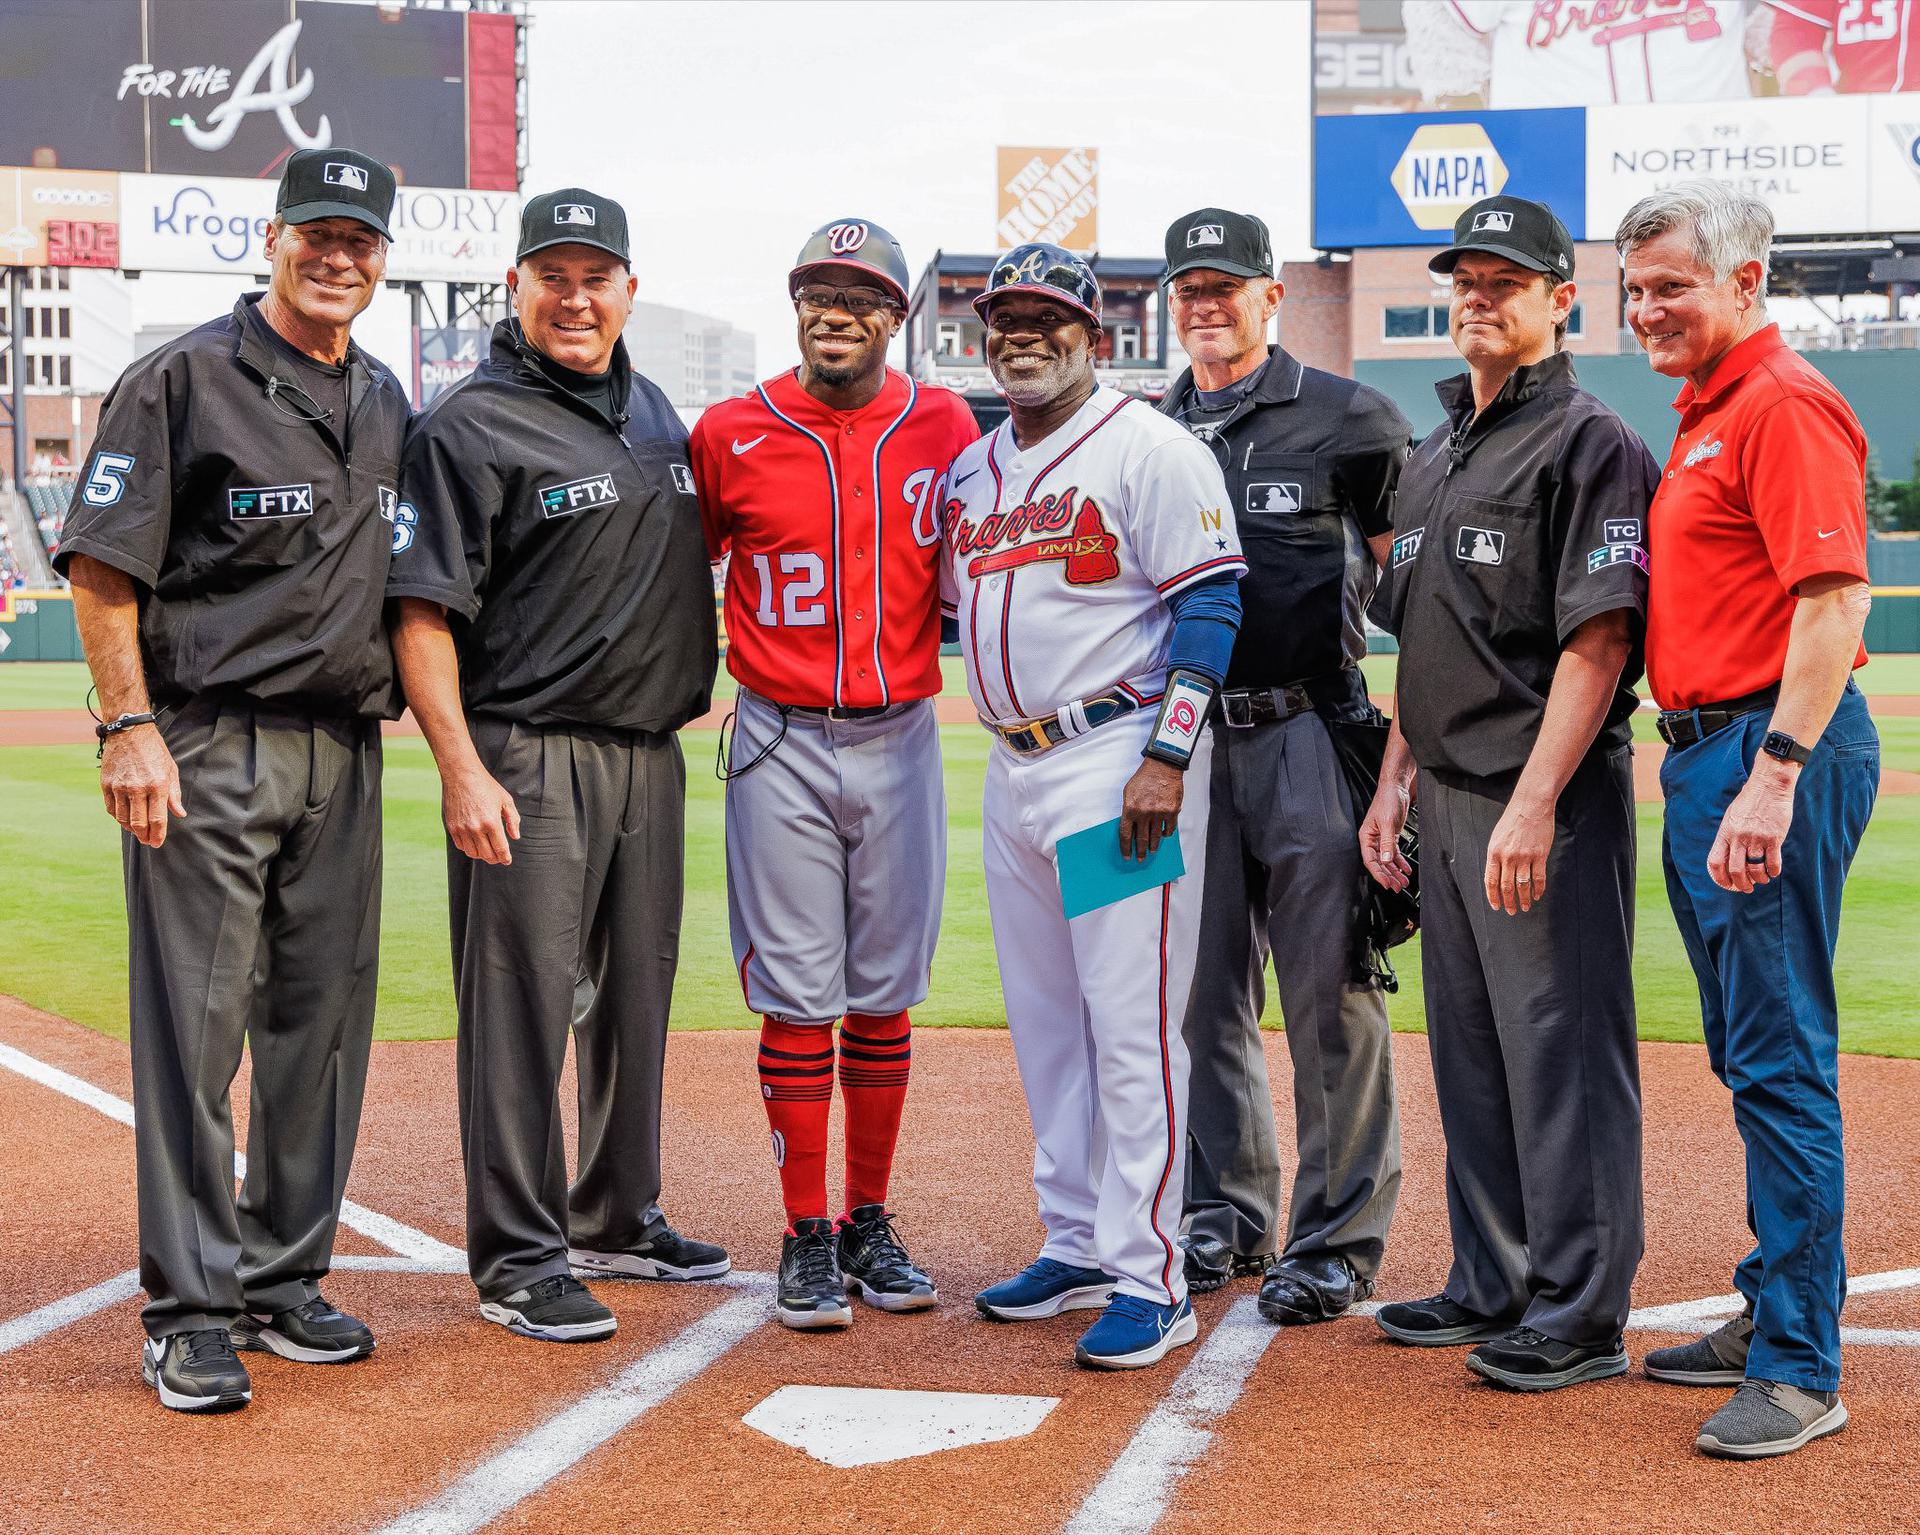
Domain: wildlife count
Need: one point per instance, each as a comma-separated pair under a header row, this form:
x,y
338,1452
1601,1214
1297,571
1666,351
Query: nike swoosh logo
x,y
962,479
740,447
1833,534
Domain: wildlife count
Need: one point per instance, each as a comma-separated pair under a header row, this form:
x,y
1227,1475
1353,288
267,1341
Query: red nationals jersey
x,y
1875,43
832,518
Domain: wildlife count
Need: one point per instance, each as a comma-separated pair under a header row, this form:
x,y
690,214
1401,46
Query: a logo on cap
x,y
845,239
1493,219
1206,234
1026,270
574,213
339,174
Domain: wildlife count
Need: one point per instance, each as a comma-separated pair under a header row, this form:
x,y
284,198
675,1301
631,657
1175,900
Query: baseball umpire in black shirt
x,y
556,627
1311,461
1517,586
228,550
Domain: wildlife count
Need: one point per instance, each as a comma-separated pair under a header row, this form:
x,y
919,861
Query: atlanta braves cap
x,y
1514,228
1038,267
335,184
573,216
1221,241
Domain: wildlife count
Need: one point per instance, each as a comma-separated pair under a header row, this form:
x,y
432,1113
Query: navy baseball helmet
x,y
858,243
1038,267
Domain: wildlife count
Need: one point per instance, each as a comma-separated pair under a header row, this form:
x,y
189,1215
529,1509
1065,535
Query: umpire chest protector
x,y
567,550
1310,460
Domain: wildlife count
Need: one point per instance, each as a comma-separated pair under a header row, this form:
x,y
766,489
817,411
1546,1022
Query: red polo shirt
x,y
832,518
1765,487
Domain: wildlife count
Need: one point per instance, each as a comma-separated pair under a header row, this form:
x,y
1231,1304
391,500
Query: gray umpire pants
x,y
257,921
581,930
1530,1021
1283,871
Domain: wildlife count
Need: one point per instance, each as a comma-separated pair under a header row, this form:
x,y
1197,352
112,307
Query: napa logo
x,y
1444,170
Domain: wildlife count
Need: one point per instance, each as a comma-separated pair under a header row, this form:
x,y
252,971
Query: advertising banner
x,y
1049,194
442,356
231,87
219,224
59,218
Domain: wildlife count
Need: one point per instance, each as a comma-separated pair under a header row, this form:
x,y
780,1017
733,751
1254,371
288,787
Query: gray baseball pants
x,y
1283,871
580,931
257,921
1531,1025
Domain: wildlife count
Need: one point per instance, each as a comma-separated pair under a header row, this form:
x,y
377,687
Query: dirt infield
x,y
70,727
1323,1429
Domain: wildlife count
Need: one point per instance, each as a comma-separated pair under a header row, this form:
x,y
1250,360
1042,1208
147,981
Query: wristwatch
x,y
1782,747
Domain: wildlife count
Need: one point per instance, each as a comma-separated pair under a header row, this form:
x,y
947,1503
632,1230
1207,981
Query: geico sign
x,y
72,197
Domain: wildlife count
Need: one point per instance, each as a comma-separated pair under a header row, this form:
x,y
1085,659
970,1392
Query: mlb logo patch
x,y
389,500
1622,530
1273,498
1493,219
340,174
682,478
575,213
1481,546
1206,234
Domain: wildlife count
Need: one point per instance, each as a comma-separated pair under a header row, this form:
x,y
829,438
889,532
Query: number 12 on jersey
x,y
799,605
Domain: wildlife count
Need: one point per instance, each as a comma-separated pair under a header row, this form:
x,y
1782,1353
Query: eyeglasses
x,y
858,302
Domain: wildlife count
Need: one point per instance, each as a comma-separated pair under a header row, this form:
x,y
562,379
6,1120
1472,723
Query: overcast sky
x,y
730,131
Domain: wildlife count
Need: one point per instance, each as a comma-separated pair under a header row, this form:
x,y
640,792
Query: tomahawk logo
x,y
1206,234
1493,219
574,213
338,174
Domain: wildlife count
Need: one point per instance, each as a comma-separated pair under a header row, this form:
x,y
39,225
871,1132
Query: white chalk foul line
x,y
1134,1493
385,1230
528,1464
32,1325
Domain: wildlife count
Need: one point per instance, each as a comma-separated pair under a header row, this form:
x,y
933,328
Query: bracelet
x,y
113,727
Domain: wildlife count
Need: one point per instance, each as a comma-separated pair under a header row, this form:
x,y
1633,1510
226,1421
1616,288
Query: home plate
x,y
853,1426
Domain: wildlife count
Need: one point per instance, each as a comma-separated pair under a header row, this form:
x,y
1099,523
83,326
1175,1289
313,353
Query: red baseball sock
x,y
874,1052
796,1085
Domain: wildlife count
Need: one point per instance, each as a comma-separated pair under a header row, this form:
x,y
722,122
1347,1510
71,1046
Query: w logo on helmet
x,y
845,239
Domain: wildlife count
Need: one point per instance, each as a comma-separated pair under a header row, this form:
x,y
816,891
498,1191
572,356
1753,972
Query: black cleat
x,y
313,1332
813,1292
196,1371
1297,1292
1211,1265
557,1309
664,1255
876,1266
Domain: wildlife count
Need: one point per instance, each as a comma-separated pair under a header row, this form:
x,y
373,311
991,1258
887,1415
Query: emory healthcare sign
x,y
1049,194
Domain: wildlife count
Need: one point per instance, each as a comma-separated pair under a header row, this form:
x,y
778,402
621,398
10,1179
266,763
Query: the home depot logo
x,y
1444,170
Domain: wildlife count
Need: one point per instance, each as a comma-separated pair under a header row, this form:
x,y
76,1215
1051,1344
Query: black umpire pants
x,y
1531,1025
581,930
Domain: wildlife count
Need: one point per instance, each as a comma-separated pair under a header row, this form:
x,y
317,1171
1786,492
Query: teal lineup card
x,y
1094,873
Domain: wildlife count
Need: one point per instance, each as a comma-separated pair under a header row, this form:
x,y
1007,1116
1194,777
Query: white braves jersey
x,y
1059,558
1571,53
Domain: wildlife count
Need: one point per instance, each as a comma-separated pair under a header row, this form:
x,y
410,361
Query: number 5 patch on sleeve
x,y
107,480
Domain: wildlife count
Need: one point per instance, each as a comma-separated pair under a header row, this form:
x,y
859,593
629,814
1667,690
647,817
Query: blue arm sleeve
x,y
1206,617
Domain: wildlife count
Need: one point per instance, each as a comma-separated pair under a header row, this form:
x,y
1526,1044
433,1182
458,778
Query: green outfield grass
x,y
65,947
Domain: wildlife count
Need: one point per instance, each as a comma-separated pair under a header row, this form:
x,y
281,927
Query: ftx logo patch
x,y
596,490
1273,497
339,174
1481,546
1616,554
1407,546
256,503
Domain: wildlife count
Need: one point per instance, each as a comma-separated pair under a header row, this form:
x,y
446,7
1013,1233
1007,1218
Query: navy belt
x,y
1036,736
1684,727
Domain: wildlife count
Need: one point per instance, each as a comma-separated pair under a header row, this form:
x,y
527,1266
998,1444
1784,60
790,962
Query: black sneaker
x,y
1436,1322
1528,1360
813,1292
196,1371
557,1309
1210,1264
876,1266
313,1332
664,1255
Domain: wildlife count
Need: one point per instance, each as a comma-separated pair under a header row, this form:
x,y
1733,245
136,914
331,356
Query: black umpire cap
x,y
1221,241
335,184
1514,228
573,216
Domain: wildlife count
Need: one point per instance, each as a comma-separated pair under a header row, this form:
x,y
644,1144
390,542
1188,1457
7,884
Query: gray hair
x,y
1729,227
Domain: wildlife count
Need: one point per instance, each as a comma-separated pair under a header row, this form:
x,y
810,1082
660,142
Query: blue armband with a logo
x,y
1183,715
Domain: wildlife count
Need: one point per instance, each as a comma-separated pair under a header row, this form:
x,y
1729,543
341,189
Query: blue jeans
x,y
1765,966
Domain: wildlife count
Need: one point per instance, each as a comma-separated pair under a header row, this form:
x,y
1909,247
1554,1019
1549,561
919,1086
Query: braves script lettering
x,y
1617,19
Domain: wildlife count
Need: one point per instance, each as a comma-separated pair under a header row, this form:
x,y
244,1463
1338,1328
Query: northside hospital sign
x,y
1828,165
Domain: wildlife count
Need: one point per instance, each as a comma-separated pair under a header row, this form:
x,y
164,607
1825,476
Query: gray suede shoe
x,y
1769,1417
1718,1359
